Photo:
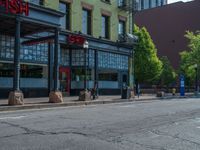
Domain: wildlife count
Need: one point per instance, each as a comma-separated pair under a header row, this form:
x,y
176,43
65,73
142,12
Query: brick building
x,y
167,26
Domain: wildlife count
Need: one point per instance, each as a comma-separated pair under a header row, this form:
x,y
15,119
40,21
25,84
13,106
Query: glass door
x,y
64,77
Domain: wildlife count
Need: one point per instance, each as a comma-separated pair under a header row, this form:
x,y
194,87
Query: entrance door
x,y
64,77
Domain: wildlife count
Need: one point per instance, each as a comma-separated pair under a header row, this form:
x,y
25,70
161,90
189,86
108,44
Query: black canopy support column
x,y
16,96
50,67
56,66
55,95
16,78
96,77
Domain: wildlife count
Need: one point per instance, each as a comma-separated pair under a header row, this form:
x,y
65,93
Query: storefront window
x,y
64,57
78,58
113,61
91,58
78,74
36,53
27,71
108,77
6,47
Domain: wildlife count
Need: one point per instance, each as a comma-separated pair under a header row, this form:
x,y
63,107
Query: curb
x,y
83,103
66,104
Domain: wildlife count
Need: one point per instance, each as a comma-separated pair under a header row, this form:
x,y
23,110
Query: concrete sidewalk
x,y
37,103
43,100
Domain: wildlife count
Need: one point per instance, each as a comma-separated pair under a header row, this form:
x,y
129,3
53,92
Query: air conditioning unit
x,y
122,38
128,38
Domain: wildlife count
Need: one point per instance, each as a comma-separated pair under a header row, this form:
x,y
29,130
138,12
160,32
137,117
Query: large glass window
x,y
78,74
26,71
86,21
64,57
91,58
65,20
105,27
6,47
113,61
108,76
78,58
36,53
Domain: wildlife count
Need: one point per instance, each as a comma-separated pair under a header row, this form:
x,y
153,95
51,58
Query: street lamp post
x,y
85,94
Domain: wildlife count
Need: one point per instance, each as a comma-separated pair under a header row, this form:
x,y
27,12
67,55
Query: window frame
x,y
67,15
106,25
88,20
123,22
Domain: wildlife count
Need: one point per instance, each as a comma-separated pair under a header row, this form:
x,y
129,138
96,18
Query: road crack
x,y
28,131
176,136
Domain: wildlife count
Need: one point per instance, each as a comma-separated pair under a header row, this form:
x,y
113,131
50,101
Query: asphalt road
x,y
153,125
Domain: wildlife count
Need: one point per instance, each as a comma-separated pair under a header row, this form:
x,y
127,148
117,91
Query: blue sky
x,y
172,1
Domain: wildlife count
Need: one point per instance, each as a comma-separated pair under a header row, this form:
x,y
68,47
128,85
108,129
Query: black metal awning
x,y
28,26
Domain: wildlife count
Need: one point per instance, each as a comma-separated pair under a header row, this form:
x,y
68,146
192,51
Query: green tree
x,y
147,65
168,74
191,57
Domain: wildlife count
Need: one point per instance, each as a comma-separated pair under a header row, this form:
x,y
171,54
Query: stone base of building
x,y
85,95
55,97
160,94
16,98
132,94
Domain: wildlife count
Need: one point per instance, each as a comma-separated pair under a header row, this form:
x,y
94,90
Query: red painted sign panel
x,y
75,39
15,6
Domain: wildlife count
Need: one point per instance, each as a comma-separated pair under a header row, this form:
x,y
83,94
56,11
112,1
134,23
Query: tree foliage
x,y
148,67
191,57
168,75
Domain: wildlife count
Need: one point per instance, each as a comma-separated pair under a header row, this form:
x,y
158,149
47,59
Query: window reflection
x,y
113,61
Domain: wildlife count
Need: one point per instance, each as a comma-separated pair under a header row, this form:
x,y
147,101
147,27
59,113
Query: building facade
x,y
51,53
167,26
146,4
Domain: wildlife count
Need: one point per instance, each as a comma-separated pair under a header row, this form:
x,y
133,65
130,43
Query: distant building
x,y
167,26
146,4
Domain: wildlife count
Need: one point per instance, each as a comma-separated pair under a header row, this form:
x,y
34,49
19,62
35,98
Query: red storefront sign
x,y
75,39
15,6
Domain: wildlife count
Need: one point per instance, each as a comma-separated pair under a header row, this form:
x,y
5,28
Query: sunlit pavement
x,y
168,124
